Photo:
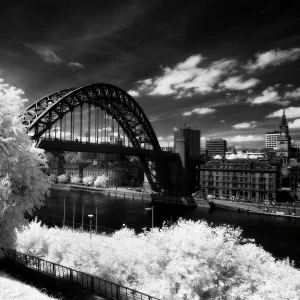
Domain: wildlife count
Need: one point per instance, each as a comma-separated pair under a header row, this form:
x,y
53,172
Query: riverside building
x,y
239,179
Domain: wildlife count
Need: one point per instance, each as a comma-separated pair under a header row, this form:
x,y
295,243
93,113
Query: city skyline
x,y
226,69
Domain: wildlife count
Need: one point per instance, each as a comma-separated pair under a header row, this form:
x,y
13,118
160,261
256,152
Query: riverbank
x,y
133,194
258,208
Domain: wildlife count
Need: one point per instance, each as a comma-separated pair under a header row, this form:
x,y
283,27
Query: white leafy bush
x,y
63,178
33,238
75,179
100,181
189,260
88,180
52,178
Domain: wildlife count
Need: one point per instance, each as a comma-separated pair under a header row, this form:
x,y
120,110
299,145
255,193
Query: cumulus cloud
x,y
199,111
133,93
246,138
166,141
290,112
269,95
245,125
76,64
187,78
295,94
46,53
236,83
294,124
273,58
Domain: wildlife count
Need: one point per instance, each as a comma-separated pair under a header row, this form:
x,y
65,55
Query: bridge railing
x,y
104,288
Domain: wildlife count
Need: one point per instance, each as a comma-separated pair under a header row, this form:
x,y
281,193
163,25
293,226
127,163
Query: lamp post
x,y
152,209
91,217
86,135
55,131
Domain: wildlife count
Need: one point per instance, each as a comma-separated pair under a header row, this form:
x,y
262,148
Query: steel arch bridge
x,y
105,105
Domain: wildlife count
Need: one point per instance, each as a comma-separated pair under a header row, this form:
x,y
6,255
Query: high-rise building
x,y
216,146
271,139
190,138
187,146
284,141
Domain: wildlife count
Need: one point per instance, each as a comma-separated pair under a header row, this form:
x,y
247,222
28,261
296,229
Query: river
x,y
277,235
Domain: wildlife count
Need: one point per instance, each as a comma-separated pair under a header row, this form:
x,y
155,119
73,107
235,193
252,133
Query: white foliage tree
x,y
100,181
23,184
75,179
88,180
64,178
186,261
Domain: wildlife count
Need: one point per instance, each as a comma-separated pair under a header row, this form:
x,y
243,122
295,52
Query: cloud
x,y
269,95
295,124
199,111
295,94
245,125
155,118
46,53
246,138
236,83
290,112
133,93
273,58
76,65
186,78
166,141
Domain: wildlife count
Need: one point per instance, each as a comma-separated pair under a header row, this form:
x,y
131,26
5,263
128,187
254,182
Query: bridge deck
x,y
57,145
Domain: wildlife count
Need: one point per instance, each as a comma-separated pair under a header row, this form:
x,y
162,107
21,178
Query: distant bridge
x,y
99,118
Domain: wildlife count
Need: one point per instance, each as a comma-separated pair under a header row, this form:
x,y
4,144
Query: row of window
x,y
235,179
226,193
234,173
240,186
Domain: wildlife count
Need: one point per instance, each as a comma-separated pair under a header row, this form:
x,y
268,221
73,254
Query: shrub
x,y
63,178
188,260
88,180
52,178
75,179
100,181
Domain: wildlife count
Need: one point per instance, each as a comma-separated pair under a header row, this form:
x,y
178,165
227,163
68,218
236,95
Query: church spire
x,y
283,119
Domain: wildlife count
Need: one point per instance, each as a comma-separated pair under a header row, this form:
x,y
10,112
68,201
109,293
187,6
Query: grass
x,y
13,289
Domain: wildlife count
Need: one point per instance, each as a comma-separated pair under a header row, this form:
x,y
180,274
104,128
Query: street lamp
x,y
86,135
91,217
152,209
55,131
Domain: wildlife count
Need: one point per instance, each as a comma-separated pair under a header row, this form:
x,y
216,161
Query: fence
x,y
106,289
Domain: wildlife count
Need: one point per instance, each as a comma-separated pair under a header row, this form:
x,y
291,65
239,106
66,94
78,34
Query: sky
x,y
227,68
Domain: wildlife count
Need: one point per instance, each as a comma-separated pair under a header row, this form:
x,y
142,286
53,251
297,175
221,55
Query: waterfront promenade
x,y
279,209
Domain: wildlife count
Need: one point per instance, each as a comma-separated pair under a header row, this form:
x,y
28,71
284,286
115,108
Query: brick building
x,y
241,178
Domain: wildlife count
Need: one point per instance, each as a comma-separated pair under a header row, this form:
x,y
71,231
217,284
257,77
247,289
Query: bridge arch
x,y
44,113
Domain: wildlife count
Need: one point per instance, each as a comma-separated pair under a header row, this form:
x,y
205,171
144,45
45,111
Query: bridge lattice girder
x,y
41,115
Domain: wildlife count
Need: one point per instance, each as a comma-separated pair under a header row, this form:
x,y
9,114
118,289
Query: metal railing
x,y
104,288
